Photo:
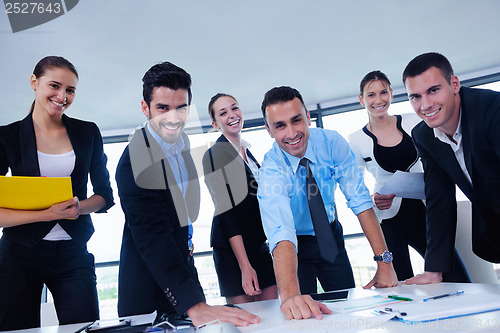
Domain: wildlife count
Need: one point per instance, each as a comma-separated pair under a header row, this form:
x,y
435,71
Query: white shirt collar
x,y
457,136
244,144
168,148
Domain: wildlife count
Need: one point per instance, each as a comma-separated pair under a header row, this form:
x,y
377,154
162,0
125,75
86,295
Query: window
x,y
106,241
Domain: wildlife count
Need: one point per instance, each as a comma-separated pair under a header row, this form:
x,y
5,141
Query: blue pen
x,y
444,295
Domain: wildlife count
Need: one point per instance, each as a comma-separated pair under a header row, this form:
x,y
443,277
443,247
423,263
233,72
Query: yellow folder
x,y
33,193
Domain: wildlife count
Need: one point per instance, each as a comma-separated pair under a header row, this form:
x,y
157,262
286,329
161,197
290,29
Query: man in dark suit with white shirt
x,y
160,196
459,143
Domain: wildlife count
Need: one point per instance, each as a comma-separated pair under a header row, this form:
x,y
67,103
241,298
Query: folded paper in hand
x,y
405,185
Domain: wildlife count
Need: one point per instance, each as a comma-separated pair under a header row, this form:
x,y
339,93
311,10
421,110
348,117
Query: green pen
x,y
399,298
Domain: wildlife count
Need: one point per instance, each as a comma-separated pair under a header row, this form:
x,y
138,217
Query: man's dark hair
x,y
425,61
280,95
168,75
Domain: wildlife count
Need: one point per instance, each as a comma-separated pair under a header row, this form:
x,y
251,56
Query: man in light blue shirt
x,y
283,200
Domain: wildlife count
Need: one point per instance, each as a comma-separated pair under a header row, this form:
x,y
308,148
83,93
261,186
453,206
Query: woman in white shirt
x,y
50,246
382,147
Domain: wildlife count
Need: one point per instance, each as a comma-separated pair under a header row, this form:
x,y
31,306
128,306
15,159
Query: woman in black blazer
x,y
49,246
241,255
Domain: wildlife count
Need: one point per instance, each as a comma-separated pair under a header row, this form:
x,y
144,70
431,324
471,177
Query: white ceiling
x,y
321,47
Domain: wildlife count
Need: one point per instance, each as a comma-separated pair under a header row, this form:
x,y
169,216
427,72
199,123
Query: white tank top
x,y
56,165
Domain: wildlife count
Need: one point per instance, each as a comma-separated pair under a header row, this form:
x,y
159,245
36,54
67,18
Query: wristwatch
x,y
386,257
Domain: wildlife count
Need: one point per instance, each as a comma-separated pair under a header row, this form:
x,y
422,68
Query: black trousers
x,y
408,228
312,266
65,267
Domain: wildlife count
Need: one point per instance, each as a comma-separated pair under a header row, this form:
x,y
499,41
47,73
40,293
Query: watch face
x,y
387,257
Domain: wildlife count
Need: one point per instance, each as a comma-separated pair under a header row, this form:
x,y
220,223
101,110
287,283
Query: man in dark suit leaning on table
x,y
459,143
160,196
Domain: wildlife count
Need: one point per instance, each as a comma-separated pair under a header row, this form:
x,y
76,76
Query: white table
x,y
274,321
136,320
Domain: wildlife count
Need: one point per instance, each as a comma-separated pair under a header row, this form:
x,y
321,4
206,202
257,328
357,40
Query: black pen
x,y
84,327
444,295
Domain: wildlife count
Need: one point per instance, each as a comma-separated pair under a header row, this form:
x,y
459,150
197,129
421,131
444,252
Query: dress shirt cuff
x,y
282,236
361,208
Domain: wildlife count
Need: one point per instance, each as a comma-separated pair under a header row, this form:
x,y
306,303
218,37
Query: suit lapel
x,y
27,141
466,138
234,155
193,191
152,165
80,147
446,158
249,154
229,151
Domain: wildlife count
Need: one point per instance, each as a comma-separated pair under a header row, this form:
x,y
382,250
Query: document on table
x,y
349,322
446,307
361,304
405,185
33,193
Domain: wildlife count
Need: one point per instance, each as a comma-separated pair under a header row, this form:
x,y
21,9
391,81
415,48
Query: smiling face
x,y
435,99
376,98
167,112
54,90
228,116
288,123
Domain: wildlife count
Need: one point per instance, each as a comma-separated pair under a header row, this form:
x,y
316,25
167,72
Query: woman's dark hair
x,y
51,62
214,99
372,76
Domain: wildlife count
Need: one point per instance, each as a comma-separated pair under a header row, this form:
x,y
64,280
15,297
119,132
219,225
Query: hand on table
x,y
425,278
203,313
385,277
303,307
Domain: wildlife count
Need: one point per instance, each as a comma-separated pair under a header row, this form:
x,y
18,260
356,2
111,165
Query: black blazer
x,y
480,121
18,152
153,273
234,193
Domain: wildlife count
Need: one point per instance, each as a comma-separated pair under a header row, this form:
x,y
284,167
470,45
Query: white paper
x,y
361,304
332,323
460,305
405,185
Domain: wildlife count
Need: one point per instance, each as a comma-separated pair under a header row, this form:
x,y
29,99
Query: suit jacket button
x,y
167,290
174,303
169,294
